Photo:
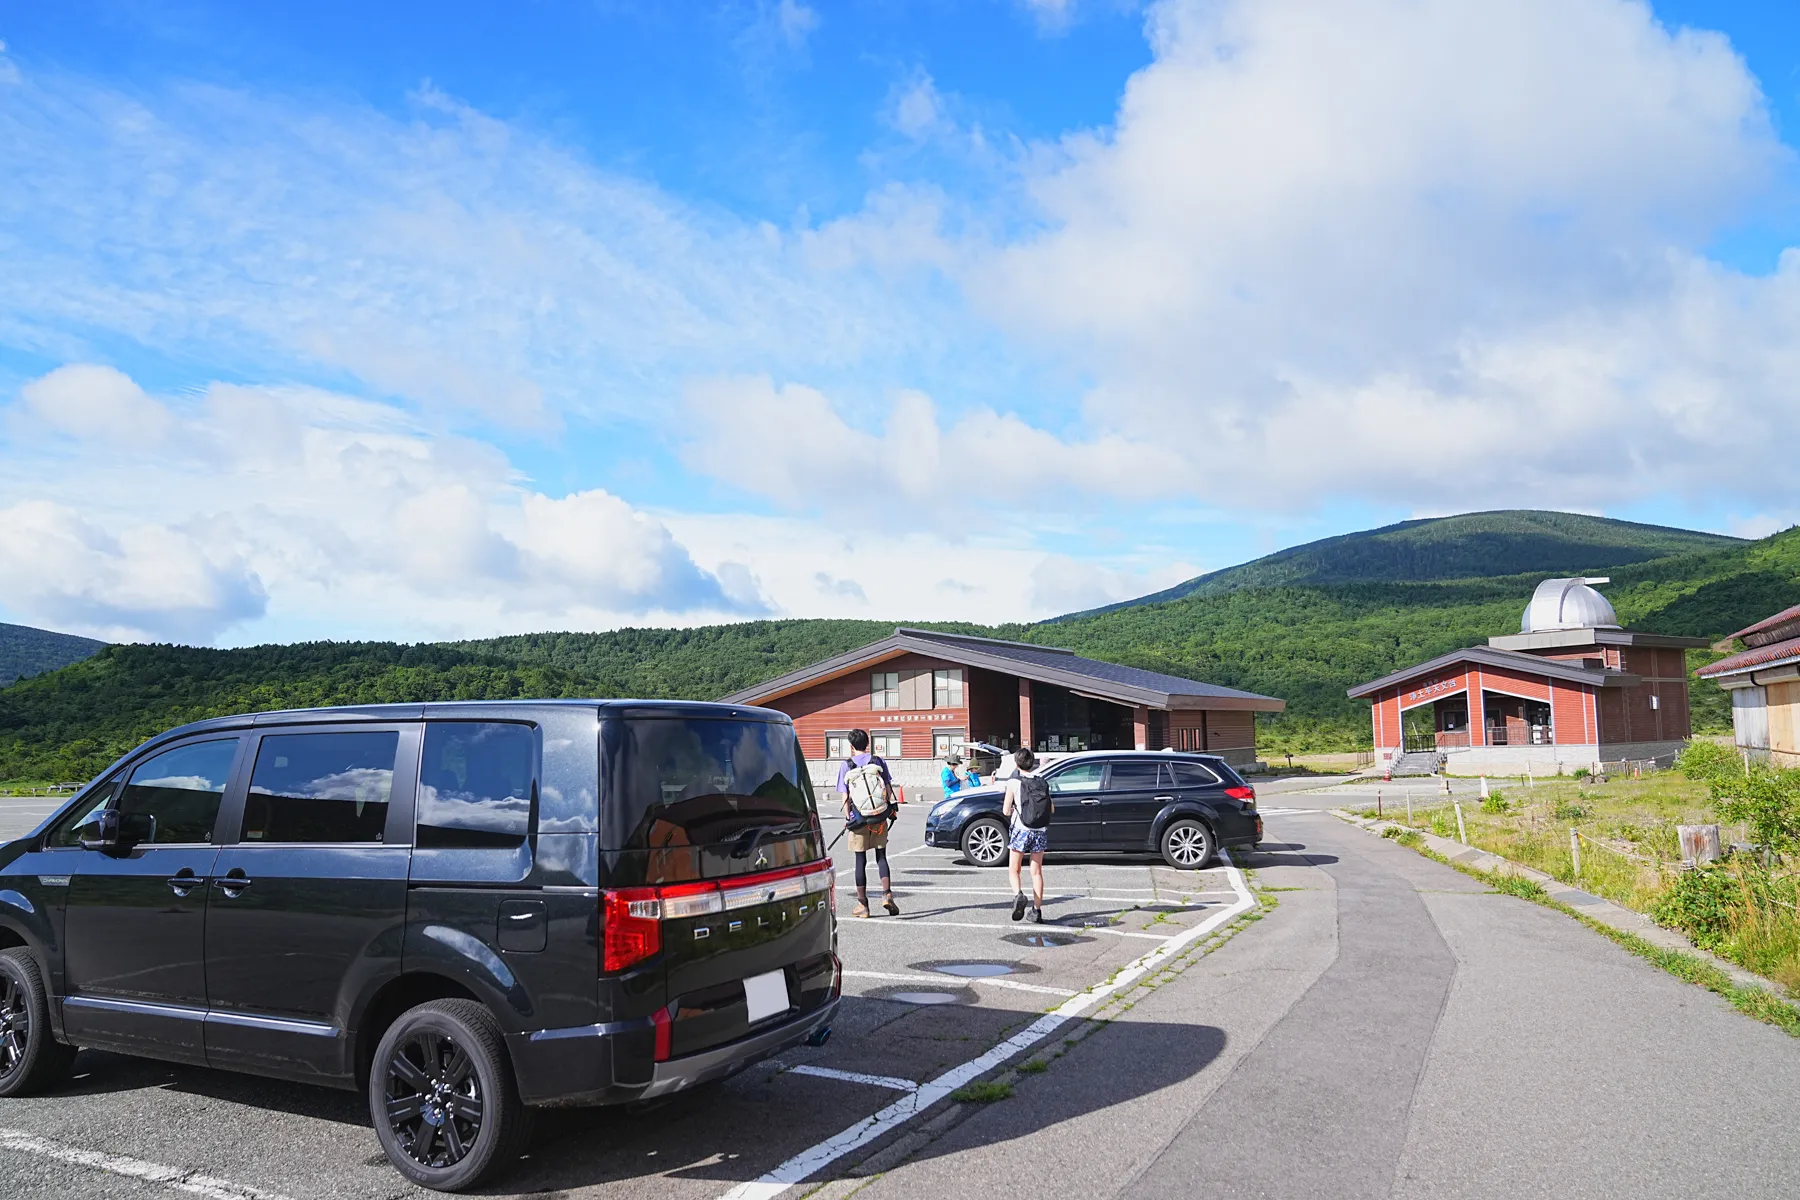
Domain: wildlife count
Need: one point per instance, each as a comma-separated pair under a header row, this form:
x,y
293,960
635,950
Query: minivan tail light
x,y
1245,794
634,916
633,927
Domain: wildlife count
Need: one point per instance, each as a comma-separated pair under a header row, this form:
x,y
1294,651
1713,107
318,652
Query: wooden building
x,y
922,695
1764,682
1570,690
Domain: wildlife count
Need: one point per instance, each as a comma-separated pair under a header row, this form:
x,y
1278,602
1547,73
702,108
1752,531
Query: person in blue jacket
x,y
950,778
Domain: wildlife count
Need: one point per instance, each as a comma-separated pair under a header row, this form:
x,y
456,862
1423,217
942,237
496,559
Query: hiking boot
x,y
893,910
1037,915
1019,907
861,910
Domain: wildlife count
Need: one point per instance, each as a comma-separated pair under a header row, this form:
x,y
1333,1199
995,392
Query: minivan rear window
x,y
717,796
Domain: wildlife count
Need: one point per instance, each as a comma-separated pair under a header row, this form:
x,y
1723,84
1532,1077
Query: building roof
x,y
1769,629
1510,660
1041,664
1768,655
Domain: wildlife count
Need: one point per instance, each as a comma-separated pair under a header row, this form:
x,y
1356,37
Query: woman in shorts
x,y
1025,840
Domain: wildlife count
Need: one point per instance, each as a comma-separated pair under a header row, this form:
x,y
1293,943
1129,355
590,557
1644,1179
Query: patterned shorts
x,y
1029,841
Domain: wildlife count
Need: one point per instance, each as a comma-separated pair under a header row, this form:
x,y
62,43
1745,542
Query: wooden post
x,y
1462,831
1575,850
1699,843
1140,727
1377,803
1409,806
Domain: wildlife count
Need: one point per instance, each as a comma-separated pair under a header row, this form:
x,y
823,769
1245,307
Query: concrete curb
x,y
1596,908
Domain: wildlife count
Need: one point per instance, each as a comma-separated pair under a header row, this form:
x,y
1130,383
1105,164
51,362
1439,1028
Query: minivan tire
x,y
431,1057
1187,844
31,1059
984,842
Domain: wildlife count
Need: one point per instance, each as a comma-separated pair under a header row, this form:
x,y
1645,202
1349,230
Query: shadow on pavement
x,y
736,1131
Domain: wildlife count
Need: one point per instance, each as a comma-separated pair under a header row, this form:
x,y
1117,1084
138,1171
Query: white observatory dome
x,y
1568,604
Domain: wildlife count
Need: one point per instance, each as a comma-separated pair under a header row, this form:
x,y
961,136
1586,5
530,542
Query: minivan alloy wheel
x,y
434,1102
15,1025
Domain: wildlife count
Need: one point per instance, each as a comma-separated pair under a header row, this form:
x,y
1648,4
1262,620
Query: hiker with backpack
x,y
868,792
1029,806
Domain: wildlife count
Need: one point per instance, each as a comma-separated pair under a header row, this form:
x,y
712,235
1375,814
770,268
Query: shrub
x,y
1443,823
1701,905
1392,831
1566,811
1583,773
1495,802
1706,762
1766,799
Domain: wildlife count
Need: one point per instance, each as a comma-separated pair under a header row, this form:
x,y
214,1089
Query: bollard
x,y
1462,832
1575,850
1378,804
1446,785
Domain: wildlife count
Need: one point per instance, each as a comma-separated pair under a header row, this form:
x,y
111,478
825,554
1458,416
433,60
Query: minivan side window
x,y
321,787
475,784
180,790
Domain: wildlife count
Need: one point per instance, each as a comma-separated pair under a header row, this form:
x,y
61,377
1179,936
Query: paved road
x,y
1394,1030
1391,1029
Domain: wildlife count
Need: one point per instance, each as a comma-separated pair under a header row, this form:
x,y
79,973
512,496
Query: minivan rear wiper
x,y
750,839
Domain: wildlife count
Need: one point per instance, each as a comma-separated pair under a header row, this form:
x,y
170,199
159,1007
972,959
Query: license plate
x,y
766,995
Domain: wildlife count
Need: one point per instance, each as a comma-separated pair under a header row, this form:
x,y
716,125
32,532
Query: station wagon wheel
x,y
442,1096
1187,844
30,1058
984,842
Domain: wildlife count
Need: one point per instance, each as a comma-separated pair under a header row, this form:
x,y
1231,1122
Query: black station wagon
x,y
1182,806
464,910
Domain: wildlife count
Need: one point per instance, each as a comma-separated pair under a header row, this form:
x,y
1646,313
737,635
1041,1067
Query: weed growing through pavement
x,y
1036,1066
985,1091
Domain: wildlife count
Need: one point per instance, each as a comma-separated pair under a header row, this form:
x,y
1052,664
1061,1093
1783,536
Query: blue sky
x,y
425,321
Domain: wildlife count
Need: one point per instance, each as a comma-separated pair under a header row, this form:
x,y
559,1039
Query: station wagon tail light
x,y
1246,794
634,916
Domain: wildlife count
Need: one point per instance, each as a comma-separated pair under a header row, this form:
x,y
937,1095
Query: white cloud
x,y
148,581
94,402
791,445
1422,252
916,109
1061,584
796,21
334,509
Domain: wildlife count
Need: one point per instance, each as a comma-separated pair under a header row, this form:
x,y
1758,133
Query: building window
x,y
947,688
885,743
837,746
884,689
945,742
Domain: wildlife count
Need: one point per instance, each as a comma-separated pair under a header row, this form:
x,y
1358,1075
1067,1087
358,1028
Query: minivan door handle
x,y
234,883
1090,801
184,881
1163,799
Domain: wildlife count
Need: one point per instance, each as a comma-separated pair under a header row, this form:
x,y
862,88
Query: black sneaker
x,y
1019,907
1037,915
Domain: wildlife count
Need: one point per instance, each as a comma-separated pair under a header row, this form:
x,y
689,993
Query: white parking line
x,y
818,1157
942,980
181,1179
1141,898
886,1081
1021,927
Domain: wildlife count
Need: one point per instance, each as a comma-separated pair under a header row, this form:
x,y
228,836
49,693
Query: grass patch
x,y
985,1091
1035,1066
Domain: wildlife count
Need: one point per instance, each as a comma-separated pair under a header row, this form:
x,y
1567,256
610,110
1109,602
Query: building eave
x,y
1500,659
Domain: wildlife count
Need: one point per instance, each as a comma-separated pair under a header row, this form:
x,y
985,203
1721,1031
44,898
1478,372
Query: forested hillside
x,y
1305,643
1473,545
25,651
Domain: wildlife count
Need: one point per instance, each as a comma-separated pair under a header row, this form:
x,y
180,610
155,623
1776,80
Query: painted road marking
x,y
1142,898
886,1081
1287,812
182,1180
1021,927
817,1158
941,980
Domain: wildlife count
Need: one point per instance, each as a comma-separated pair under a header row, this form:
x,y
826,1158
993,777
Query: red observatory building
x,y
922,695
1570,689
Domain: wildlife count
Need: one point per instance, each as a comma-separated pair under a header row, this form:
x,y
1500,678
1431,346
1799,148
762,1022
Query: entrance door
x,y
309,903
1136,790
1075,792
134,934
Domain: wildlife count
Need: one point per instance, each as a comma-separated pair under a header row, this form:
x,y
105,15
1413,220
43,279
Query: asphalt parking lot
x,y
932,999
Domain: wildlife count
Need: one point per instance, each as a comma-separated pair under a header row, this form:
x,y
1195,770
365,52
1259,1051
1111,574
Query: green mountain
x,y
1483,544
25,651
1300,637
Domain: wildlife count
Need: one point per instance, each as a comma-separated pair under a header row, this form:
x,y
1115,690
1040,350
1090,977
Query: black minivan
x,y
465,910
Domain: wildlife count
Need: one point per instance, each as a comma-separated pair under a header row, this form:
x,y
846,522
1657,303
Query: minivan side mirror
x,y
113,832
